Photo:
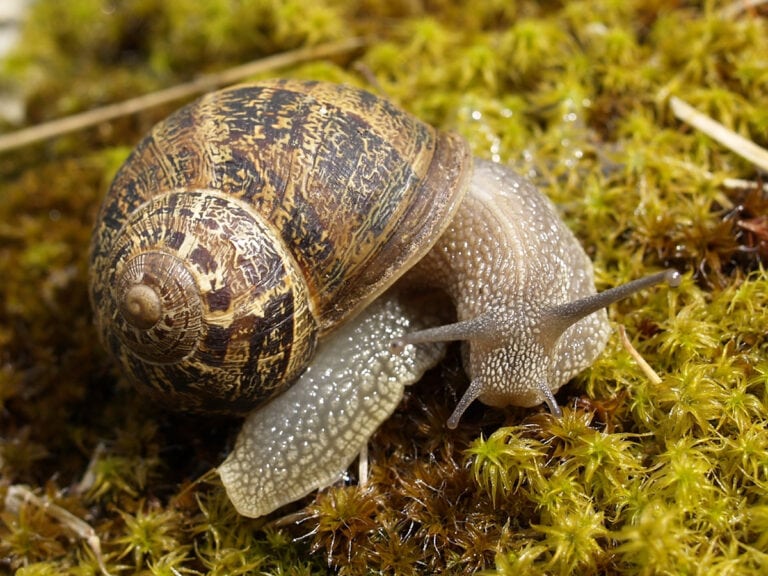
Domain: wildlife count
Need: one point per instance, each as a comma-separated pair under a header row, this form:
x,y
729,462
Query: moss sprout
x,y
506,461
637,477
574,540
148,535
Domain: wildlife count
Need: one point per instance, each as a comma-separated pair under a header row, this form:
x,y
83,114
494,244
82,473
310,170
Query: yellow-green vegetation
x,y
637,477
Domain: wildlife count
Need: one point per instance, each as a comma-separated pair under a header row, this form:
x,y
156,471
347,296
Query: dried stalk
x,y
725,136
202,84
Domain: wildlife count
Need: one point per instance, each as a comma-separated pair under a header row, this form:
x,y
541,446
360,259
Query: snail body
x,y
265,221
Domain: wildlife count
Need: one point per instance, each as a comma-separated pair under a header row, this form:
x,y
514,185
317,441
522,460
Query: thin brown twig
x,y
199,85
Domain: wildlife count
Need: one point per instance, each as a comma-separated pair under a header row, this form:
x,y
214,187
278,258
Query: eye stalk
x,y
561,317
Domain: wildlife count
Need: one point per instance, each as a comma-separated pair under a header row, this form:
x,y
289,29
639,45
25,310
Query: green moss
x,y
637,477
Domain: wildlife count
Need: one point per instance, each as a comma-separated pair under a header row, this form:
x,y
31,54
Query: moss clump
x,y
636,478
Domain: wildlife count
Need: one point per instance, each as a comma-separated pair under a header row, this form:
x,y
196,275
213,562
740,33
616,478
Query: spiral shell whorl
x,y
206,309
358,189
160,313
354,192
141,305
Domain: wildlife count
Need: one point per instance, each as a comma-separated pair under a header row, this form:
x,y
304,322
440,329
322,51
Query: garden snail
x,y
264,219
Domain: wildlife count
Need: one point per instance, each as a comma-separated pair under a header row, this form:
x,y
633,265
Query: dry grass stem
x,y
644,366
725,136
199,85
17,495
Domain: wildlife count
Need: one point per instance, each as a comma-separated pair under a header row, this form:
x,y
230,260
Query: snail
x,y
271,249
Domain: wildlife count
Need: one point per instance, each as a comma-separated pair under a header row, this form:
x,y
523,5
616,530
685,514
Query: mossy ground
x,y
636,478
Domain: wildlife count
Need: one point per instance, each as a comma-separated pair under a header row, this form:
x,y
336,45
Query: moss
x,y
637,477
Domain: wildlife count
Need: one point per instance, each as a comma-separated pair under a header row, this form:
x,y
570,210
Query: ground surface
x,y
638,477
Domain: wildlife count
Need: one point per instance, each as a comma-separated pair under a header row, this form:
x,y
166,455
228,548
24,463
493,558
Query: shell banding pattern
x,y
205,304
355,190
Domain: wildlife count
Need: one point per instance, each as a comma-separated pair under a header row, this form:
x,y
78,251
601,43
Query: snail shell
x,y
253,222
264,219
